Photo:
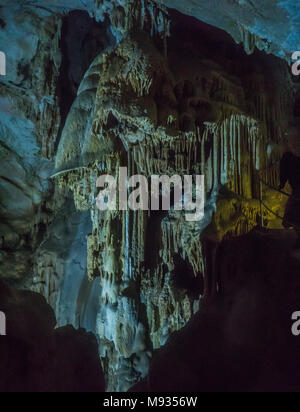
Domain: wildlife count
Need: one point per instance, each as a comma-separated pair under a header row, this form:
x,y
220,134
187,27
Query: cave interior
x,y
144,300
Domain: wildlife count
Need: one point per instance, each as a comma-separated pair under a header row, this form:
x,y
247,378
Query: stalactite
x,y
251,41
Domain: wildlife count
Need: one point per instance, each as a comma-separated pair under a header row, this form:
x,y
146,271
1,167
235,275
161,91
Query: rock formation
x,y
218,350
35,357
134,84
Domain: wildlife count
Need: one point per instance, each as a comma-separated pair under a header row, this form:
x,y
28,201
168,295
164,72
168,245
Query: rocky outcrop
x,y
35,357
46,59
241,340
269,25
29,125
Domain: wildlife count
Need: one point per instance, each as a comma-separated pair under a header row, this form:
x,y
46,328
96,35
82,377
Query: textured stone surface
x,y
134,84
29,125
270,25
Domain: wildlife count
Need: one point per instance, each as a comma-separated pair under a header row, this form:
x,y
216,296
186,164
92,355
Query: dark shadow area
x,y
184,278
212,51
241,340
35,357
82,40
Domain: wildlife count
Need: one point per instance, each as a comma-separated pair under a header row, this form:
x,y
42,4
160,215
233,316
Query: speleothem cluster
x,y
158,99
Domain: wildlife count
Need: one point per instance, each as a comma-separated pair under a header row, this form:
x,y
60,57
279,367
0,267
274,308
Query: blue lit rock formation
x,y
270,25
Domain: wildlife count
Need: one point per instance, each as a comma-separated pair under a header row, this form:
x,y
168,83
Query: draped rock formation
x,y
143,107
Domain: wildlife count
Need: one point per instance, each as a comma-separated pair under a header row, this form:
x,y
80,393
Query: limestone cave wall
x,y
132,84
